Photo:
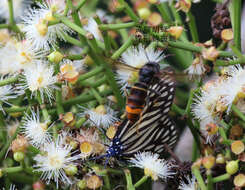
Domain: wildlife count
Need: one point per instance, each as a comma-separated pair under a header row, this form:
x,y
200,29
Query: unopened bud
x,y
208,162
227,35
197,164
232,167
155,19
220,159
69,119
153,1
144,13
19,144
94,182
239,180
19,156
71,170
81,184
183,5
39,185
237,147
55,57
111,131
210,54
175,31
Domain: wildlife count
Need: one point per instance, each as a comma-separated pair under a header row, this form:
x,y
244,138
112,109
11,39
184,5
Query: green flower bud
x,y
232,167
71,170
19,156
55,57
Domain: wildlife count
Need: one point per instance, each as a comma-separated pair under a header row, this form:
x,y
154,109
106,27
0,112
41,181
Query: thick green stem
x,y
72,40
210,180
165,13
129,11
177,110
236,7
123,48
107,182
90,74
221,178
80,5
13,169
199,178
9,80
60,109
3,129
117,26
238,112
141,181
130,185
2,26
97,96
192,26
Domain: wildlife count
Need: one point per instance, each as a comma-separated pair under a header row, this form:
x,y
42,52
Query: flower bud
x,y
227,35
39,185
144,13
153,1
212,128
175,31
239,180
69,119
19,144
71,170
73,144
237,147
208,162
197,163
19,156
210,54
236,131
55,57
111,131
220,159
1,173
183,5
232,167
94,182
155,19
81,184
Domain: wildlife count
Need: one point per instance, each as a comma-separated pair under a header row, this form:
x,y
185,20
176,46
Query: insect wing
x,y
154,128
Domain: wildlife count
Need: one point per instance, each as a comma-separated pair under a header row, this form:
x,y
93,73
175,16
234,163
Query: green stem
x,y
236,11
79,56
163,9
238,112
60,109
80,122
9,80
114,171
70,24
2,26
141,181
90,74
222,133
72,40
199,178
84,99
94,84
3,130
177,109
123,48
93,43
210,180
7,144
117,26
192,26
97,96
107,182
190,47
130,185
129,11
230,62
221,178
11,12
236,51
80,5
13,169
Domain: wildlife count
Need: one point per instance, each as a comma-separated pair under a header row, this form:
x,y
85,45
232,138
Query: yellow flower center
x,y
27,58
152,174
86,148
44,126
55,161
42,27
100,110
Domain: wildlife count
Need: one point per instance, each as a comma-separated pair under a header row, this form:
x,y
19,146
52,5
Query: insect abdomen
x,y
136,101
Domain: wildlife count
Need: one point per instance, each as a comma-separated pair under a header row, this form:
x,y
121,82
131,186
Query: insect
x,y
136,99
154,130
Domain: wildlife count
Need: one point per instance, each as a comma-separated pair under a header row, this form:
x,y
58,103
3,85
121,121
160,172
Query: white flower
x,y
197,68
152,165
7,92
36,131
17,56
39,78
55,159
101,116
136,58
191,184
93,28
68,66
19,6
37,30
